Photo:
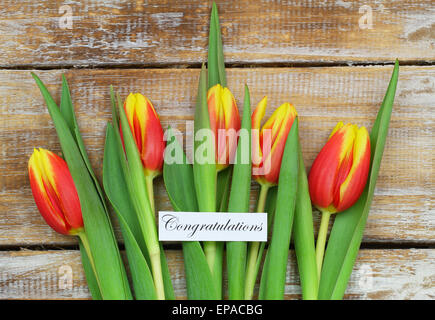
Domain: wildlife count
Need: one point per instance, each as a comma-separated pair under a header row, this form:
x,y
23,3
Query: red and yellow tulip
x,y
147,132
225,124
54,192
339,173
338,176
269,142
267,150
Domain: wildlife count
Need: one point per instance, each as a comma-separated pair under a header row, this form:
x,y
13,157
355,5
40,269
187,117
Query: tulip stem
x,y
321,240
150,190
251,269
154,252
156,268
84,239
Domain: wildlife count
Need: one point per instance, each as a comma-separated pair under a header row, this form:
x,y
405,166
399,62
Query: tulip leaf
x,y
167,281
66,106
223,183
204,173
204,167
272,282
200,283
89,273
98,228
115,186
67,111
115,103
303,236
216,64
270,209
179,183
179,173
239,202
222,194
347,231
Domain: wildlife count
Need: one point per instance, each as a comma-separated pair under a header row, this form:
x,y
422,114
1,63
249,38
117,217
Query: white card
x,y
212,226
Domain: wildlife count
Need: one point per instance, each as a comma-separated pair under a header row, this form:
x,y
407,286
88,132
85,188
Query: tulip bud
x,y
269,142
225,124
54,192
339,173
147,132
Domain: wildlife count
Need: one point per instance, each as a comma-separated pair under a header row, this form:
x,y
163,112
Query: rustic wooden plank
x,y
378,274
174,32
403,207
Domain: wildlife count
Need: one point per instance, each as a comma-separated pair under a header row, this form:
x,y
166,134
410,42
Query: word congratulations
x,y
212,226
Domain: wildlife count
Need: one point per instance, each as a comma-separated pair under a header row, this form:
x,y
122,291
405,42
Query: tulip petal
x,y
280,122
53,218
65,189
325,169
147,132
54,191
337,127
154,144
257,115
352,187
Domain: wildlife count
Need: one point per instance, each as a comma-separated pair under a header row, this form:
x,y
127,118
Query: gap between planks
x,y
177,246
197,65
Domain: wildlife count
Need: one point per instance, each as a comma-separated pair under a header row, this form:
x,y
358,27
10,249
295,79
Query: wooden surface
x,y
166,32
310,53
378,274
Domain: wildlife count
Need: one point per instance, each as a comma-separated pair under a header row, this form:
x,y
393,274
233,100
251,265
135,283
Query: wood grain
x,y
403,207
176,32
378,274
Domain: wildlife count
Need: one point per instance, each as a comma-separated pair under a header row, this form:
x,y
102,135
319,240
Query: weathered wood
x,y
176,32
403,207
378,274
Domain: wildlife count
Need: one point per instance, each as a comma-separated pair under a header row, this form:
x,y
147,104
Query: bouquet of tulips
x,y
229,150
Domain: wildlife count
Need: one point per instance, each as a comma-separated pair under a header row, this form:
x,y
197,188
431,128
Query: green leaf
x,y
104,248
115,187
200,283
239,202
204,167
216,63
348,228
66,106
167,281
67,111
222,194
303,236
270,209
272,282
89,273
204,173
223,183
178,178
115,101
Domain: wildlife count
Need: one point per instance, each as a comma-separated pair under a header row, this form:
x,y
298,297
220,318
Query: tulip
x,y
267,151
148,134
54,192
269,142
338,176
56,196
224,123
